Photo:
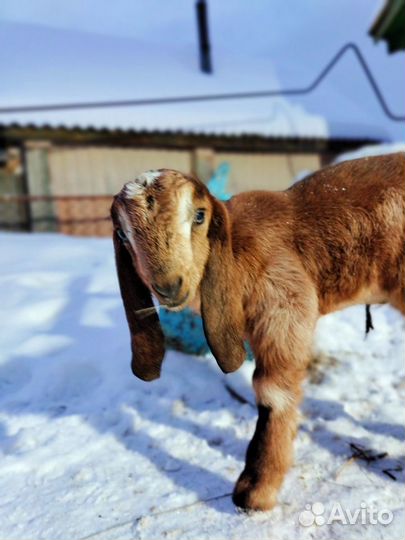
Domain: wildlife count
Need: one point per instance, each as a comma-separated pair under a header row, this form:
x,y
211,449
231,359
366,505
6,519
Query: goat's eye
x,y
122,235
199,216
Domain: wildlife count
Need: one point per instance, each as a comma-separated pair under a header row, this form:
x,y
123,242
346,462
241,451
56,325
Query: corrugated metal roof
x,y
171,138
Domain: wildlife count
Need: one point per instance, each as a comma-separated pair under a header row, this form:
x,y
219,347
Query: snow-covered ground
x,y
88,451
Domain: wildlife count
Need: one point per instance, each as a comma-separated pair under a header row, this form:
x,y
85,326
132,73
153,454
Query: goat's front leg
x,y
280,326
269,454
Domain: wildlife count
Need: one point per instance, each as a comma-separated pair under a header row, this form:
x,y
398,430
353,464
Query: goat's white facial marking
x,y
147,178
185,212
136,187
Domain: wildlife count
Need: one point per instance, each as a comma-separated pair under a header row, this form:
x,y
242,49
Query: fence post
x,y
43,216
25,188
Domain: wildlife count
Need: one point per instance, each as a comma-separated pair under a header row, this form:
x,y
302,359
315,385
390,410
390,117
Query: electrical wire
x,y
222,97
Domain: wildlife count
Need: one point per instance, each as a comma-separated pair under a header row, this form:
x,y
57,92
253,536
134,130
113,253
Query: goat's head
x,y
172,238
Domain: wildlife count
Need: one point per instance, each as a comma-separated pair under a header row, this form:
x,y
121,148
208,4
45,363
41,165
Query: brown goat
x,y
264,267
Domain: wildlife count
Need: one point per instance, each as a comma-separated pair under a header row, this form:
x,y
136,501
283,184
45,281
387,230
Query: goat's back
x,y
345,222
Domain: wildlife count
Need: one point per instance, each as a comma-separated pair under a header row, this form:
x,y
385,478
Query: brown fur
x,y
266,266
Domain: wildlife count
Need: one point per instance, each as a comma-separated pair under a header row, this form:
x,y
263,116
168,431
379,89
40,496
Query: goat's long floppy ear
x,y
221,297
147,340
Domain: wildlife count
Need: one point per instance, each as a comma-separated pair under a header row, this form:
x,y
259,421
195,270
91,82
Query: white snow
x,y
372,150
88,451
148,49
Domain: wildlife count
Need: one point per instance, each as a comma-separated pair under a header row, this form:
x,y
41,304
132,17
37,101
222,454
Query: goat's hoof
x,y
248,496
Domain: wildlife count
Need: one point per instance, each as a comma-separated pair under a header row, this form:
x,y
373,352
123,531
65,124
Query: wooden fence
x,y
78,215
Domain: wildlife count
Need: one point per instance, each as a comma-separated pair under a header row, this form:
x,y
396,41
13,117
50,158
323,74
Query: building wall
x,y
14,213
266,171
77,176
67,176
103,170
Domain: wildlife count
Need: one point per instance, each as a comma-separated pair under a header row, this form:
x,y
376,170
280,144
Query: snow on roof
x,y
137,50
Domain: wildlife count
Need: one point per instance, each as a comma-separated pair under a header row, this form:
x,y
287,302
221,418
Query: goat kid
x,y
264,266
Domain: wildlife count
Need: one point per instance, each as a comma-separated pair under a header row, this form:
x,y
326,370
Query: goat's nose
x,y
168,290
